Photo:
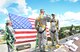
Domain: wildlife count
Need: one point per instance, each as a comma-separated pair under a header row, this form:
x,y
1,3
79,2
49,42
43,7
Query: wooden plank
x,y
23,46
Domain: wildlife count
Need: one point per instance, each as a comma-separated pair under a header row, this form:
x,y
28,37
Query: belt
x,y
41,31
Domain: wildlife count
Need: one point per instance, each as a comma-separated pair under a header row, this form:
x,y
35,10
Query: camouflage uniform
x,y
10,38
54,31
40,25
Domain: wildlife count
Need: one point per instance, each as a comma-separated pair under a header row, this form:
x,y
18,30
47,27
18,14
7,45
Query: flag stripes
x,y
27,31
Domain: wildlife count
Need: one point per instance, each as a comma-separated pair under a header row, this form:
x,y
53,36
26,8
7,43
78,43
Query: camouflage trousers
x,y
42,40
54,36
10,49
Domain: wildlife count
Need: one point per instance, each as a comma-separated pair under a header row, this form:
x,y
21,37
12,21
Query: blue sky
x,y
67,11
56,6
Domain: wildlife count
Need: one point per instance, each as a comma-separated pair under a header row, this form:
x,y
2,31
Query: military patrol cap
x,y
8,21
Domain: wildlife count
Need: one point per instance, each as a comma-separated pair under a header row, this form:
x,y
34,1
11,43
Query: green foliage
x,y
63,34
4,37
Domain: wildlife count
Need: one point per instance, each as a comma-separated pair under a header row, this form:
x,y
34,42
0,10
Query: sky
x,y
66,11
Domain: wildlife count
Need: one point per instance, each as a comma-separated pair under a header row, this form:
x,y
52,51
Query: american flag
x,y
24,28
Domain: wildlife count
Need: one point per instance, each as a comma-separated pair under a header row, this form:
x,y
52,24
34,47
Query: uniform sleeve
x,y
57,24
48,19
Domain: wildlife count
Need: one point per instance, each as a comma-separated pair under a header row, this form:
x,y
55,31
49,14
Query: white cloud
x,y
27,10
21,3
73,0
2,26
64,0
5,3
2,2
4,10
68,18
34,14
22,8
7,19
72,15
